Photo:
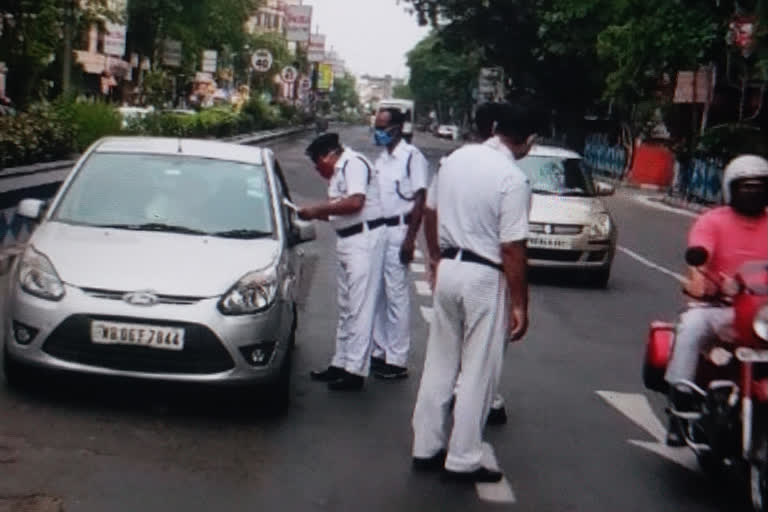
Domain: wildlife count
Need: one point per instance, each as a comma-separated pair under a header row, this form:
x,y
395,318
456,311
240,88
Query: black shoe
x,y
327,375
481,475
391,372
497,416
347,382
675,433
433,463
377,362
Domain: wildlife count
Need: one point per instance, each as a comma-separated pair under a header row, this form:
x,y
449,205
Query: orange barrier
x,y
653,164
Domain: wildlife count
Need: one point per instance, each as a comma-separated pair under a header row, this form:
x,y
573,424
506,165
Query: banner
x,y
209,61
114,39
324,77
316,52
694,87
172,53
298,23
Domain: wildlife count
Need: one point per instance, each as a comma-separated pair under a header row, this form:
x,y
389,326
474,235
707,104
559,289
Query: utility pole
x,y
66,60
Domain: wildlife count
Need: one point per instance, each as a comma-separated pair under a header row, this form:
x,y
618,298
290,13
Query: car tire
x,y
601,277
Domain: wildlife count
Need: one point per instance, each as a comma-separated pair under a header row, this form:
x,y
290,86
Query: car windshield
x,y
172,193
558,176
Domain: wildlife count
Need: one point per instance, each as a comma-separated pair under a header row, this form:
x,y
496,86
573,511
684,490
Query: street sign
x,y
289,74
114,39
305,84
172,53
298,23
325,77
261,61
209,61
316,52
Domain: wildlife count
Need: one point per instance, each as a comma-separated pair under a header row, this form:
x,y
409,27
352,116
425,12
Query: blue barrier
x,y
700,180
603,158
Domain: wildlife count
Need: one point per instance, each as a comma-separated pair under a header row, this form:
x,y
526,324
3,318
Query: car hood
x,y
548,209
166,263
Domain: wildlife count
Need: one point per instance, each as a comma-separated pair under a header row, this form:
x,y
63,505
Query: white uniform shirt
x,y
393,169
482,201
353,175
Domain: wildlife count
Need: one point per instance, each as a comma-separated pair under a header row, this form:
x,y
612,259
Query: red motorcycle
x,y
728,424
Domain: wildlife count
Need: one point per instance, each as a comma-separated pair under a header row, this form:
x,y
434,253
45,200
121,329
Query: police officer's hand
x,y
432,273
518,323
307,213
406,251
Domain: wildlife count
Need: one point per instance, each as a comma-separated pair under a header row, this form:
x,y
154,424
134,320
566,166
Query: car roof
x,y
175,146
553,151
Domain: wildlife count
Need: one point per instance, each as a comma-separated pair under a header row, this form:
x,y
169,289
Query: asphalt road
x,y
127,446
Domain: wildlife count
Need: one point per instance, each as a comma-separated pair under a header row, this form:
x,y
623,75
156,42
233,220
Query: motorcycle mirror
x,y
696,256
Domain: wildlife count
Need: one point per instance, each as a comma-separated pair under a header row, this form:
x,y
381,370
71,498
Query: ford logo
x,y
146,298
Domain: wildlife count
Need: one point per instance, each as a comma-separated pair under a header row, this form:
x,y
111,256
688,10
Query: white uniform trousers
x,y
392,333
467,335
359,260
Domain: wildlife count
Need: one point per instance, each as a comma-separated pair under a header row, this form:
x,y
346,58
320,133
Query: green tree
x,y
344,94
403,92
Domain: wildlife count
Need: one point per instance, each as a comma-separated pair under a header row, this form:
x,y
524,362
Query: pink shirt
x,y
731,239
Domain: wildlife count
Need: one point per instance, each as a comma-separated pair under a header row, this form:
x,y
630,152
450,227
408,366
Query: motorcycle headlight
x,y
600,227
760,324
38,277
254,292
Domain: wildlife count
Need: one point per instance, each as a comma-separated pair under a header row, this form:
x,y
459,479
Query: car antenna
x,y
179,150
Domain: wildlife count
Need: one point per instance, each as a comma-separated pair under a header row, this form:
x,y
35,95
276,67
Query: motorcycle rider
x,y
732,235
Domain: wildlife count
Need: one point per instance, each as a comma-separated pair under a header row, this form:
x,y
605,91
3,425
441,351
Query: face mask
x,y
748,201
382,137
324,167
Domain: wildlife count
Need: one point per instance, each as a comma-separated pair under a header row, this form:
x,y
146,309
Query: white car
x,y
448,131
570,225
159,258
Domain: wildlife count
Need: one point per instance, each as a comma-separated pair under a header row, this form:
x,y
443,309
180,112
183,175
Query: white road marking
x,y
419,268
418,255
423,288
635,406
427,314
648,263
500,492
649,201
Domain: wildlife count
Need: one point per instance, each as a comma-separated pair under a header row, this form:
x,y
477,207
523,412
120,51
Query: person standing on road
x,y
478,252
354,211
402,171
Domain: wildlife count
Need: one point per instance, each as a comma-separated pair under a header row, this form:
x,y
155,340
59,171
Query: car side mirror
x,y
31,209
696,256
605,189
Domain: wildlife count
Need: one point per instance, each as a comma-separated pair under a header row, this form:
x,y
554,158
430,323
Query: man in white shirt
x,y
354,210
402,171
478,251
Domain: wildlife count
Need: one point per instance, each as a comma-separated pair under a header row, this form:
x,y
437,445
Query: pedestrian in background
x,y
403,173
480,297
354,210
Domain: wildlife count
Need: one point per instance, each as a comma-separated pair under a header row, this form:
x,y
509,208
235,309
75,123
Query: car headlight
x,y
38,277
760,324
600,227
255,292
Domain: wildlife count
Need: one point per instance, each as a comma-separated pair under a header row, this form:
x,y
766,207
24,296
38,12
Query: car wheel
x,y
601,277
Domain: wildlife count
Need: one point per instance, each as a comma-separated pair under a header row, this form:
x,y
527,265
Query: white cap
x,y
741,168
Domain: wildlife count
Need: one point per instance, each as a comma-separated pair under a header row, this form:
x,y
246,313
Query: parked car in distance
x,y
448,131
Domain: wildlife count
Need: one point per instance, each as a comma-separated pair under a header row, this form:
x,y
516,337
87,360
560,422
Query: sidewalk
x,y
659,194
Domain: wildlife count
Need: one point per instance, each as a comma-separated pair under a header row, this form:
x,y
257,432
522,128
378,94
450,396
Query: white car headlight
x,y
760,324
255,292
600,227
38,277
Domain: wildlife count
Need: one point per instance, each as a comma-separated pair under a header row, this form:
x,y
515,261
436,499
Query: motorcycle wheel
x,y
758,477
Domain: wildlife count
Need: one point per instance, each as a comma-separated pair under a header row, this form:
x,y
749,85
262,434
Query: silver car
x,y
570,225
169,259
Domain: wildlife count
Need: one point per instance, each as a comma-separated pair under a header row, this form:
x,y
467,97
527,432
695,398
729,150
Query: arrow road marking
x,y
636,407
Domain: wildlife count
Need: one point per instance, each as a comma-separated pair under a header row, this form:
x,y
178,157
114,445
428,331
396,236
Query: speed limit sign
x,y
289,74
261,61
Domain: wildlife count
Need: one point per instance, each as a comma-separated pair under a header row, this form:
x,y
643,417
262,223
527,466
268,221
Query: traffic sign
x,y
261,61
305,84
289,74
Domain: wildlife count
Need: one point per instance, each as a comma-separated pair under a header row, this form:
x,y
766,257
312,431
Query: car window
x,y
200,194
557,176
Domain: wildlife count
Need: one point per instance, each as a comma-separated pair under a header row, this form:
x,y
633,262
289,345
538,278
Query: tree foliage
x,y
344,94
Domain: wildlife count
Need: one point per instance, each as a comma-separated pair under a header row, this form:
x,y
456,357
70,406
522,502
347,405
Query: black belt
x,y
356,229
469,256
395,221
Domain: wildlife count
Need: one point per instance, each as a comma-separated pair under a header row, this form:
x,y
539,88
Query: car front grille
x,y
178,300
554,255
556,229
203,352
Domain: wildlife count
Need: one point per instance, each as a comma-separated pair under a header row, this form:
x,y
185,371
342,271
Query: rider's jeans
x,y
697,326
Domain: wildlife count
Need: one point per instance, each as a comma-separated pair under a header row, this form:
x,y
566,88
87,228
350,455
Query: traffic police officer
x,y
402,171
480,296
354,211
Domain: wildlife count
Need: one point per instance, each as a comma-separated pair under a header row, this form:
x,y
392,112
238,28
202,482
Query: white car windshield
x,y
557,176
172,193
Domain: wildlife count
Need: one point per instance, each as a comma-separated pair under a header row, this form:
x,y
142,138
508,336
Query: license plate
x,y
540,242
152,336
748,355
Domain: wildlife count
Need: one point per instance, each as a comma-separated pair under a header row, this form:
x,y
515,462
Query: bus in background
x,y
407,107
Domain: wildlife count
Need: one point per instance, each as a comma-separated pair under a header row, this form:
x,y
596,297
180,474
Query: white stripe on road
x,y
649,201
419,268
427,314
500,492
648,263
423,288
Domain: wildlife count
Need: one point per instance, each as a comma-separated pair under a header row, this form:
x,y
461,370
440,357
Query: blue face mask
x,y
382,137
